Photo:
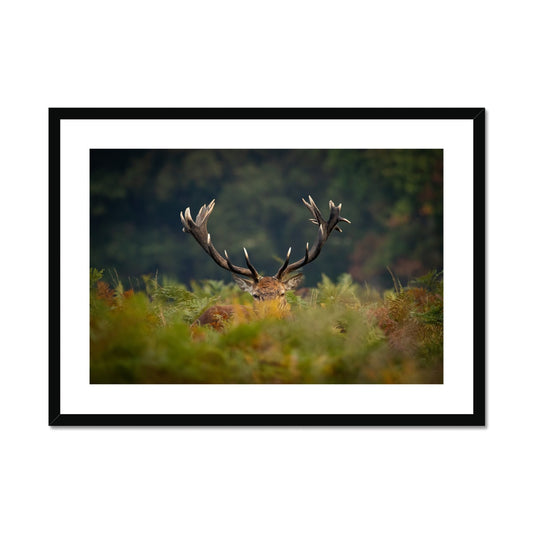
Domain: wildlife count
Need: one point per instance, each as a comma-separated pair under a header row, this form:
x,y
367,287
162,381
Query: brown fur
x,y
218,315
269,299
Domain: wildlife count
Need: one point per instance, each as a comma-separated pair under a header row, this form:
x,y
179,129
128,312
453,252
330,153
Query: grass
x,y
338,332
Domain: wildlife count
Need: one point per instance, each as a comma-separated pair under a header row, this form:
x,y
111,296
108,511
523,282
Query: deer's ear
x,y
245,284
293,282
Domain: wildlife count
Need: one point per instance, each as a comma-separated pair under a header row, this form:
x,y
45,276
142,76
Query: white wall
x,y
377,54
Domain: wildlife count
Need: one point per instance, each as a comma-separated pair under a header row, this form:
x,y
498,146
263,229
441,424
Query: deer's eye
x,y
256,296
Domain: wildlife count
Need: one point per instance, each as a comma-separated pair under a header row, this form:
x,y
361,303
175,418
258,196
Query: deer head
x,y
264,288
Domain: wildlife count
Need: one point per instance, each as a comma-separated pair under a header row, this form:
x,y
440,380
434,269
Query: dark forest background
x,y
394,199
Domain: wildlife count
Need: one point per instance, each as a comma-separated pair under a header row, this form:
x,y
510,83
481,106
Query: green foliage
x,y
341,293
412,319
432,281
95,276
338,332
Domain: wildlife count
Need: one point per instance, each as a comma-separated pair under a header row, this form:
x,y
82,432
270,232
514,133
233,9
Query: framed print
x,y
261,266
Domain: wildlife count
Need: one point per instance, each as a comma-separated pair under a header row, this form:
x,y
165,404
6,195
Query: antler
x,y
198,229
325,227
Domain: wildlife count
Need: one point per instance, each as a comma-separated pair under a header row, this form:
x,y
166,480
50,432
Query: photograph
x,y
239,266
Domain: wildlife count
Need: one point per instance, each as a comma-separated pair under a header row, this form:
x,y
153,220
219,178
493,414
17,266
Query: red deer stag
x,y
269,289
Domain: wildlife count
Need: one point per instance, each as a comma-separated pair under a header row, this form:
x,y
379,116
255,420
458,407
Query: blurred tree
x,y
392,197
398,221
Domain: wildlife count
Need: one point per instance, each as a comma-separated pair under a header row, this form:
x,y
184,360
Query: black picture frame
x,y
58,418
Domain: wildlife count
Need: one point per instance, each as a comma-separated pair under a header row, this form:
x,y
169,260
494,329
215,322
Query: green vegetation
x,y
338,332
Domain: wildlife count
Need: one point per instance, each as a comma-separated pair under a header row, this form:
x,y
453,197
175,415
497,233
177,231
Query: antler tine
x,y
238,270
256,275
325,227
231,268
284,266
198,229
